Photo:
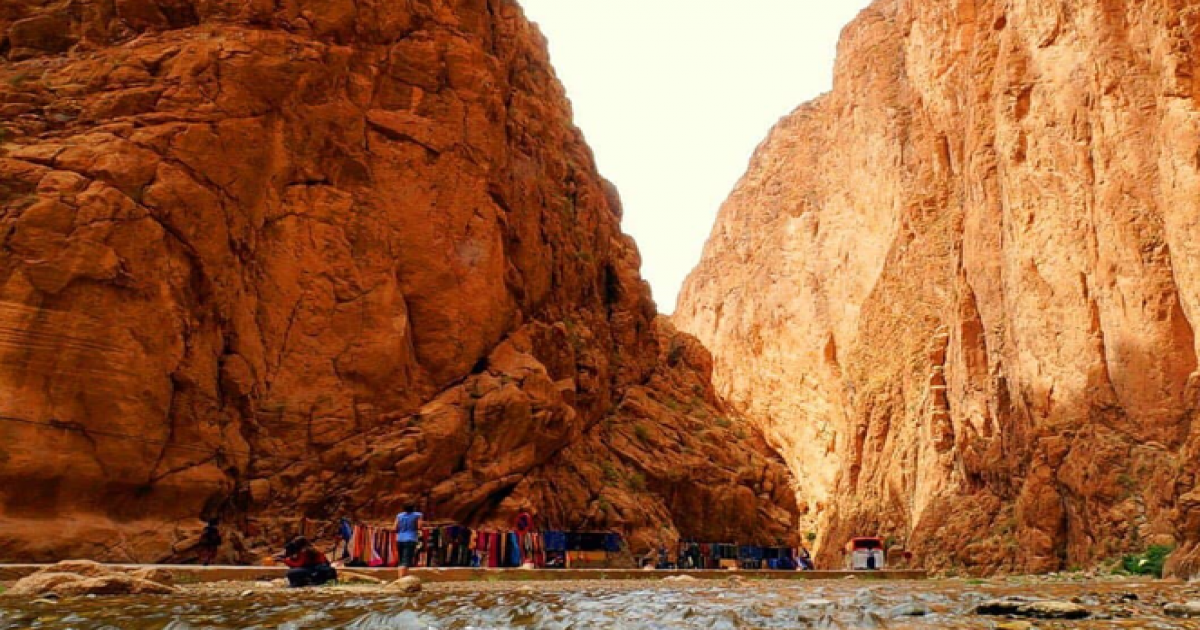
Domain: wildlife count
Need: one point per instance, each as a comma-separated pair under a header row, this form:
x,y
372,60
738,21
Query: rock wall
x,y
288,261
959,291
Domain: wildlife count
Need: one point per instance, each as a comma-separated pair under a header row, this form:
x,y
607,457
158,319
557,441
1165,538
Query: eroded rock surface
x,y
959,291
1037,609
286,262
75,578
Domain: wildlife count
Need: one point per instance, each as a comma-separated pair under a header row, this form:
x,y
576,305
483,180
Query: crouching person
x,y
308,566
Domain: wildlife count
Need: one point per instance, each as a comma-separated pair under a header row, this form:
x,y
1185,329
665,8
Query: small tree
x,y
1149,563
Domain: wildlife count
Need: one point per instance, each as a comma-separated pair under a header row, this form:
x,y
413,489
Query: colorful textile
x,y
458,546
514,550
555,541
720,555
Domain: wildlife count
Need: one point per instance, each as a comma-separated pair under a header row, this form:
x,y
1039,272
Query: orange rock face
x,y
959,291
285,262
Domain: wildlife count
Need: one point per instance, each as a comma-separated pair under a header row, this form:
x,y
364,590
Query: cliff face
x,y
284,262
959,291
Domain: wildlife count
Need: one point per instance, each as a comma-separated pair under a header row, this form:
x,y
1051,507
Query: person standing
x,y
408,532
210,542
345,534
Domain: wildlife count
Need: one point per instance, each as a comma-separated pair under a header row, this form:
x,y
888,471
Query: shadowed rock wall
x,y
287,261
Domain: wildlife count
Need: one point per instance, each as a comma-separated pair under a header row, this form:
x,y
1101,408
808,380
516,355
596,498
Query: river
x,y
701,605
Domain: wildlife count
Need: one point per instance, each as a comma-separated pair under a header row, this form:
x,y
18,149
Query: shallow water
x,y
708,606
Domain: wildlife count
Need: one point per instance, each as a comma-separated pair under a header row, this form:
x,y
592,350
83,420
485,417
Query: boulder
x,y
74,585
1036,609
86,568
42,583
1185,610
409,585
155,574
680,578
81,577
1056,610
46,33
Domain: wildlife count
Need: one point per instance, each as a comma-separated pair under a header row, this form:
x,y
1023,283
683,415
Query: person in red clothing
x,y
308,566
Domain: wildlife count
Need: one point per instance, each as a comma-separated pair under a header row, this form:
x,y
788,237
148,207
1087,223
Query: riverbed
x,y
649,604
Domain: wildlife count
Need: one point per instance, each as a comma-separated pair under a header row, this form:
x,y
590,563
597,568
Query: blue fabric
x,y
612,543
346,530
406,527
750,553
514,550
555,541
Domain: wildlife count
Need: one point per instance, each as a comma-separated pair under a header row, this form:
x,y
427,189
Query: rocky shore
x,y
55,599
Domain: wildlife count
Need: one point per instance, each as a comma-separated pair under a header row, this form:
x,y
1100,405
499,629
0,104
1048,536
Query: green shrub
x,y
611,474
724,423
1148,563
641,433
637,482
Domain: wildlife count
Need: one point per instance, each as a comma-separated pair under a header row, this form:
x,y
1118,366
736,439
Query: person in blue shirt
x,y
345,534
408,532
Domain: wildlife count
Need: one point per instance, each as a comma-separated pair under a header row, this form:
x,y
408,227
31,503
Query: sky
x,y
674,96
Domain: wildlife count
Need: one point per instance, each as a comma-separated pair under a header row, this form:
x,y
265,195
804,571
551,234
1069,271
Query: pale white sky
x,y
674,95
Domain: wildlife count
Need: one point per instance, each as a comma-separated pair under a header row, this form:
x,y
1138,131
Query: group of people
x,y
307,565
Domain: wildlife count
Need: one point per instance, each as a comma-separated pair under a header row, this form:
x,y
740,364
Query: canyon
x,y
282,262
285,262
959,291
